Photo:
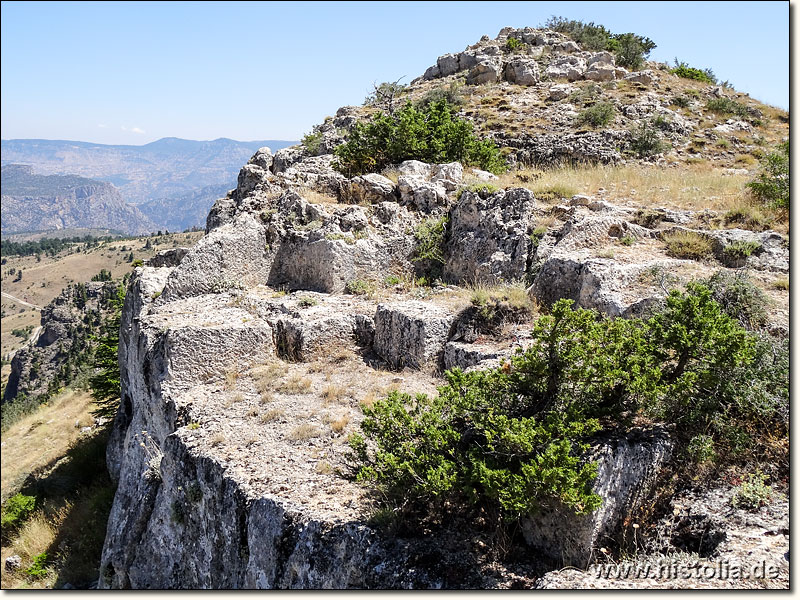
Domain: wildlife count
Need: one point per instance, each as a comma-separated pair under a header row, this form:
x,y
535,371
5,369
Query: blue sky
x,y
131,73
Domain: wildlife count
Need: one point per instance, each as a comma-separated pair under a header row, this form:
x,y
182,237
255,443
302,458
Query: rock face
x,y
42,202
627,467
410,334
48,361
489,237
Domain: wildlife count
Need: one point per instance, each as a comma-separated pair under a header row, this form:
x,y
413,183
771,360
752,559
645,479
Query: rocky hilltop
x,y
244,360
45,202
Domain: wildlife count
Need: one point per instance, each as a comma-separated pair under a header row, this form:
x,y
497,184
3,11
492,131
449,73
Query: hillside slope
x,y
40,202
156,170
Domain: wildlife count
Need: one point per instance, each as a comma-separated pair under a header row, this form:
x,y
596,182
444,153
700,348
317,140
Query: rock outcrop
x,y
245,359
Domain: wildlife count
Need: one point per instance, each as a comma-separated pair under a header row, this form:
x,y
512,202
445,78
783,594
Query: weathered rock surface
x,y
411,334
489,237
627,468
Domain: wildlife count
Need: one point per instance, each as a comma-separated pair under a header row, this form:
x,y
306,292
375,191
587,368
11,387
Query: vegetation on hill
x,y
630,49
771,187
431,133
509,439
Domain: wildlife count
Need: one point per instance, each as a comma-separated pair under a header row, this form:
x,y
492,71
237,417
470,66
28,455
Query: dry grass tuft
x,y
781,284
324,468
339,424
688,244
267,376
694,187
217,439
317,197
295,384
271,415
334,393
304,432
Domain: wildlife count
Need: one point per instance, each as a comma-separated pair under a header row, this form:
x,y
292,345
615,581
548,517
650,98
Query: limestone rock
x,y
600,71
168,258
370,189
522,71
13,562
464,355
560,91
229,256
484,72
645,77
411,334
489,237
597,283
628,466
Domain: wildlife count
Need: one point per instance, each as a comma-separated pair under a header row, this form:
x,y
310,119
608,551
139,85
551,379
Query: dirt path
x,y
15,299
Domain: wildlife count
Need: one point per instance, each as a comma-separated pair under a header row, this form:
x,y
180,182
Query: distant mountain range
x,y
52,202
172,179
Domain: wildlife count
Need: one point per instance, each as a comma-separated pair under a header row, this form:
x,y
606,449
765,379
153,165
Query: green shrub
x,y
597,115
771,186
646,141
38,568
307,302
585,94
137,263
749,217
753,493
683,70
738,251
701,448
432,133
359,287
507,439
688,244
312,142
630,49
727,106
627,240
484,190
681,101
514,45
430,237
452,94
740,298
16,511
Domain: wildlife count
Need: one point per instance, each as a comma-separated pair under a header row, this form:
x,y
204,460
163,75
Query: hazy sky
x,y
131,73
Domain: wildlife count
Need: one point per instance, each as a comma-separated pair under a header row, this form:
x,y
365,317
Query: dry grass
x,y
781,284
304,432
231,377
369,399
295,384
513,294
317,197
687,244
749,216
217,439
334,393
324,468
693,187
339,424
271,415
35,537
40,438
267,377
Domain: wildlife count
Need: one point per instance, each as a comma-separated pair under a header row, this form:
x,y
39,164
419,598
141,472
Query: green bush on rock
x,y
509,439
432,133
